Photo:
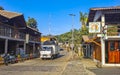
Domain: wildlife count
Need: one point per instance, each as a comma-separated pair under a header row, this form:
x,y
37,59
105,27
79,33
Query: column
x,y
33,48
103,42
25,47
6,45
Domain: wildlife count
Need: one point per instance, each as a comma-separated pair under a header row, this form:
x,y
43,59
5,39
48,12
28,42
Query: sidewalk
x,y
88,64
74,68
79,66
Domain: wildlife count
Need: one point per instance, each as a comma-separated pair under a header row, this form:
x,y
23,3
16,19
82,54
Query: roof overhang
x,y
111,14
33,31
113,38
90,40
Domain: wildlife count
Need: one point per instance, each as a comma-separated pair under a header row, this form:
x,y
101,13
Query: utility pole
x,y
72,45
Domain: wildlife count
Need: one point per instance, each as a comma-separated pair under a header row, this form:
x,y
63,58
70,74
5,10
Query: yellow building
x,y
44,38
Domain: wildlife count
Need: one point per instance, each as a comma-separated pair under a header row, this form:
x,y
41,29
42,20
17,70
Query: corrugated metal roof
x,y
8,14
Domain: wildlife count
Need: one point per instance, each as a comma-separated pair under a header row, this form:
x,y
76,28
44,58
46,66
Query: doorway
x,y
113,51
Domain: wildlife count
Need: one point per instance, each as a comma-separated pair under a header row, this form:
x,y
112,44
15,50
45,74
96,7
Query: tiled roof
x,y
8,14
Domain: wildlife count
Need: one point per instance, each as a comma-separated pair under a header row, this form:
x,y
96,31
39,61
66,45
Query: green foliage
x,y
64,37
1,8
77,33
83,19
32,22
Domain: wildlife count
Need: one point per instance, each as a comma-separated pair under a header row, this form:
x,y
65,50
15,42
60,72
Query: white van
x,y
49,51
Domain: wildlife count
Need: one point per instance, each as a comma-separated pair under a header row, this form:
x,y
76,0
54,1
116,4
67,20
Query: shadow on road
x,y
59,56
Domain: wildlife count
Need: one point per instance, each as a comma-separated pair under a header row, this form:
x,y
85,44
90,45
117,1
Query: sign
x,y
94,27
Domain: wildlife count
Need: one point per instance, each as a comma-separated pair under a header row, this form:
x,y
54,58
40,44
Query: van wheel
x,y
52,57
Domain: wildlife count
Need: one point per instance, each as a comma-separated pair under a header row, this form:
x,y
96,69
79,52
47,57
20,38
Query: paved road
x,y
58,66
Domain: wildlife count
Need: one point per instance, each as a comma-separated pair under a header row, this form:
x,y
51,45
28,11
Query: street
x,y
59,66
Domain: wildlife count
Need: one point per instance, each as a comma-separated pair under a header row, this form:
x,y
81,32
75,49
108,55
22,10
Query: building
x,y
47,38
106,43
15,34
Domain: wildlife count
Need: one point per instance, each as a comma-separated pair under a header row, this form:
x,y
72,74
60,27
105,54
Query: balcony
x,y
12,32
34,38
113,30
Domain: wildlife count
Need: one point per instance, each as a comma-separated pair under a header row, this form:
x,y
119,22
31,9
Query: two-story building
x,y
15,34
105,44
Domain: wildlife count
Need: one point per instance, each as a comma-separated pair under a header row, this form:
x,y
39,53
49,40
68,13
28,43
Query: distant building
x,y
47,38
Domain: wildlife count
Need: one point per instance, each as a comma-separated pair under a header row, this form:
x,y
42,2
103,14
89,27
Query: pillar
x,y
103,42
25,47
33,48
6,45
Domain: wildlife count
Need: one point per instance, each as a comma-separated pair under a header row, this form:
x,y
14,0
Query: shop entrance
x,y
113,51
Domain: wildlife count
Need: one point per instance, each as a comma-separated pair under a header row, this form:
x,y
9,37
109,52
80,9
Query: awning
x,y
92,40
85,38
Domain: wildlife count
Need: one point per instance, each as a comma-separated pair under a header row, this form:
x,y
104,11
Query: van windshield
x,y
47,48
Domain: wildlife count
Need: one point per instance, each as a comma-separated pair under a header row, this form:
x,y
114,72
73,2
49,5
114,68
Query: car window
x,y
47,48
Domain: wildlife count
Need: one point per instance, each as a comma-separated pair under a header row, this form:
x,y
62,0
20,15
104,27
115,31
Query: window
x,y
119,45
112,46
47,48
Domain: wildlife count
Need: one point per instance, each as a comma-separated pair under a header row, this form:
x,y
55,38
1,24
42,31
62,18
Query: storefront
x,y
108,52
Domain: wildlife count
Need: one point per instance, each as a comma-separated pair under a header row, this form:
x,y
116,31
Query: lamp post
x,y
72,45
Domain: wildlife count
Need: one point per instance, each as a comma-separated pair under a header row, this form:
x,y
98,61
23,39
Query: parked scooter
x,y
6,59
9,58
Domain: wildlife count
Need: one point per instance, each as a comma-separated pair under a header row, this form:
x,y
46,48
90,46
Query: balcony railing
x,y
12,32
113,30
33,38
9,31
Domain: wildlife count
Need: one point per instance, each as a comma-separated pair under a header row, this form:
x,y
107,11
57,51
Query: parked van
x,y
49,50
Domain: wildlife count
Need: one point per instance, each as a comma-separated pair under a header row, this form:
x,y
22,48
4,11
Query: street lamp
x,y
72,45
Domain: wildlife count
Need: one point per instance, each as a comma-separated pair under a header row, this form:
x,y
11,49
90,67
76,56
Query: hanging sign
x,y
94,27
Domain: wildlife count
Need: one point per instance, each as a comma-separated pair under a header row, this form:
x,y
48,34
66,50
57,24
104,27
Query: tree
x,y
1,8
83,19
32,22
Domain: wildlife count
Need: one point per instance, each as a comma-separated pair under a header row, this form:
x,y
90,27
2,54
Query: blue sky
x,y
54,14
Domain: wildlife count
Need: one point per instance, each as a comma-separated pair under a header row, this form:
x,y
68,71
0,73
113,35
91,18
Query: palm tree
x,y
83,19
